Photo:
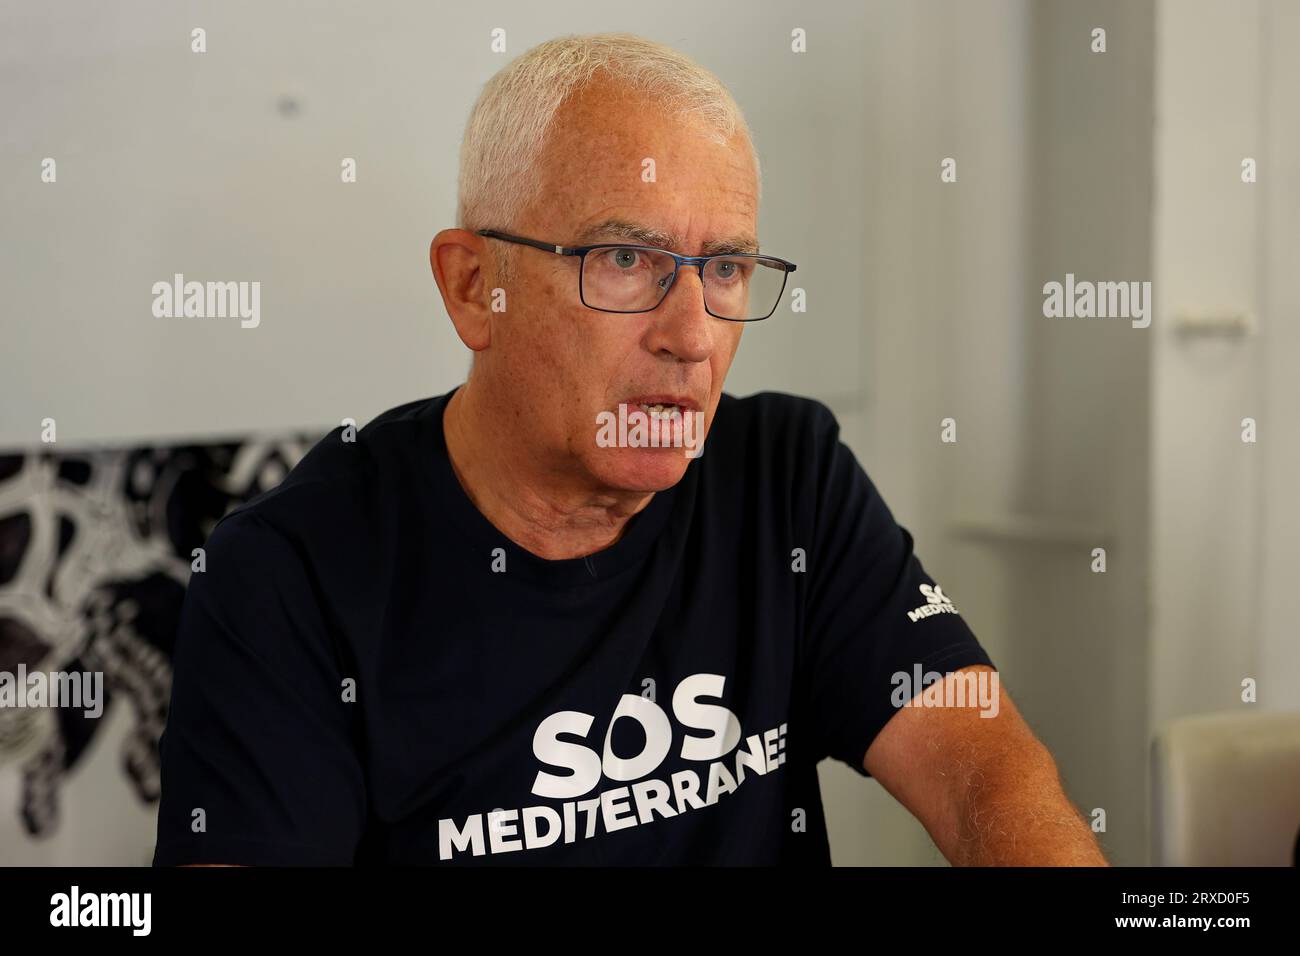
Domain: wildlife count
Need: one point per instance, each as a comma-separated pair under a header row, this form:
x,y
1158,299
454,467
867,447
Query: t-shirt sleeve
x,y
259,759
873,612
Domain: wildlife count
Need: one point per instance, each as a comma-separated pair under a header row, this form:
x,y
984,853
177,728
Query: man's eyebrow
x,y
730,245
622,230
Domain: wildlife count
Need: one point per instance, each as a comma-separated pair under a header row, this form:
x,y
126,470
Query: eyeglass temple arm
x,y
535,243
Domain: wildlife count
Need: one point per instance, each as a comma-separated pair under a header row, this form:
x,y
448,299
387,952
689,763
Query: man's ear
x,y
462,267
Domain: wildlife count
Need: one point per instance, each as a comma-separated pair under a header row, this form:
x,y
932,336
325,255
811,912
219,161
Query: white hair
x,y
508,127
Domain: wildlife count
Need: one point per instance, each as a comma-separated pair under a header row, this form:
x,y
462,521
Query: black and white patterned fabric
x,y
95,554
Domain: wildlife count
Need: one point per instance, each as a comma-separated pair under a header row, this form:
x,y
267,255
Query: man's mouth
x,y
653,421
664,407
661,412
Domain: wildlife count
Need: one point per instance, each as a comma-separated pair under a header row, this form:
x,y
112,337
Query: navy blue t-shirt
x,y
367,671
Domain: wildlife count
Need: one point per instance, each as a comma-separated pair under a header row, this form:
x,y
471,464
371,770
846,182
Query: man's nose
x,y
682,327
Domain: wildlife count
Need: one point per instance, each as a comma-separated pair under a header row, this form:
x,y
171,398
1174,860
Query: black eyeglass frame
x,y
678,261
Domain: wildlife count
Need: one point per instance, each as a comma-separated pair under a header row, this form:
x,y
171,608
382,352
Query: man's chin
x,y
641,469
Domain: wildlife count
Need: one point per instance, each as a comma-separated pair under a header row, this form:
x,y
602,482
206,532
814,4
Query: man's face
x,y
553,364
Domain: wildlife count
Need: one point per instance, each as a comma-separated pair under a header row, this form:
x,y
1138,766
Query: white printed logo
x,y
936,602
724,764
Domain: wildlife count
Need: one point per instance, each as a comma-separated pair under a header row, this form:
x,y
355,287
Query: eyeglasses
x,y
616,277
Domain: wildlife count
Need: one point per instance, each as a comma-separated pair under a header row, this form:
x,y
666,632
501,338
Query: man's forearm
x,y
1018,816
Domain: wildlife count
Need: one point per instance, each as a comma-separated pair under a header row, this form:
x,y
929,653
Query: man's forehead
x,y
618,229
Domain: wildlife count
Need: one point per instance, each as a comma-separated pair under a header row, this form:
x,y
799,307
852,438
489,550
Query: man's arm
x,y
260,764
985,788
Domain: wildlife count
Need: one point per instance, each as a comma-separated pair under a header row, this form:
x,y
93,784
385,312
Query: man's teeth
x,y
661,411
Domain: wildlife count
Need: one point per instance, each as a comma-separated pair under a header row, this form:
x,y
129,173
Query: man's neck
x,y
551,515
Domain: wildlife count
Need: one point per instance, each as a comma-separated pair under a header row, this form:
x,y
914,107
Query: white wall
x,y
1205,481
945,272
1279,252
1079,636
170,161
1053,144
1226,521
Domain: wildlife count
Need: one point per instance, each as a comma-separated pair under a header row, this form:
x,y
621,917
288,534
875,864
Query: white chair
x,y
1225,790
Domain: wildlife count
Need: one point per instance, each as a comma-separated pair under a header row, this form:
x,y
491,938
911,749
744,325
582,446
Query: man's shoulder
x,y
774,420
347,470
783,446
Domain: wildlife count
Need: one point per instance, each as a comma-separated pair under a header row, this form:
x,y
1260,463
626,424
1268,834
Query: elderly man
x,y
586,607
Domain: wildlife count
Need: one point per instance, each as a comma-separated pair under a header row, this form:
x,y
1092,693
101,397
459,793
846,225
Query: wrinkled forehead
x,y
613,165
